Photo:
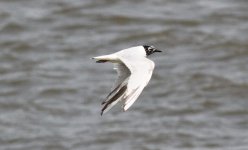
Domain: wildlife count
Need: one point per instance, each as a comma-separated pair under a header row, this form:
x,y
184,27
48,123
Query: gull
x,y
134,71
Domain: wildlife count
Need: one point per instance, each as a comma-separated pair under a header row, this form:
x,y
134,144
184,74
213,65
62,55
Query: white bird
x,y
134,72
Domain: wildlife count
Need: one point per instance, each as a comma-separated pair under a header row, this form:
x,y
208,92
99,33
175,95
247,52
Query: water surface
x,y
51,91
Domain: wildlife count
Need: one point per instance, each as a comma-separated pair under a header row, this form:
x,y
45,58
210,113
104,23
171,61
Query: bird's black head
x,y
150,49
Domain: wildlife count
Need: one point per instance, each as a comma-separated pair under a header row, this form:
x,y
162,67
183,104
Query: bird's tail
x,y
106,58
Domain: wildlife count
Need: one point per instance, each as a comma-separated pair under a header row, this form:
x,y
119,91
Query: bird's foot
x,y
101,61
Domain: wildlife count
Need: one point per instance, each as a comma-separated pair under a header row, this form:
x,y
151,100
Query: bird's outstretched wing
x,y
119,87
133,76
141,72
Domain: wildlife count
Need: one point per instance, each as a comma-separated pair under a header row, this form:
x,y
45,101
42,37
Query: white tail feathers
x,y
111,58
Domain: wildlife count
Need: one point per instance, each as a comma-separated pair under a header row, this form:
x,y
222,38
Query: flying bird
x,y
134,71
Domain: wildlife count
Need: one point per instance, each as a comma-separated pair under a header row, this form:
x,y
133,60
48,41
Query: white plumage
x,y
134,71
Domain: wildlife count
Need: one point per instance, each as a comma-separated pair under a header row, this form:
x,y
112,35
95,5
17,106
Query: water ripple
x,y
51,91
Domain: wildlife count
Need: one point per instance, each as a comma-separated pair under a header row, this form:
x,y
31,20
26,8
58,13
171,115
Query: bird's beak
x,y
157,50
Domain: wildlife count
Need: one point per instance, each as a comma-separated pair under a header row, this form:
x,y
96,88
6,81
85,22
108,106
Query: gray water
x,y
51,91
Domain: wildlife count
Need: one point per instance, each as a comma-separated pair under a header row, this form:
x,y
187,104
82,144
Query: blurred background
x,y
51,91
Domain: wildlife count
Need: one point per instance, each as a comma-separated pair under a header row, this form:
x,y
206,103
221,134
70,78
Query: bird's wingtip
x,y
124,108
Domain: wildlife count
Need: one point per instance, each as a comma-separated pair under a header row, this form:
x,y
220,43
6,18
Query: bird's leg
x,y
101,61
